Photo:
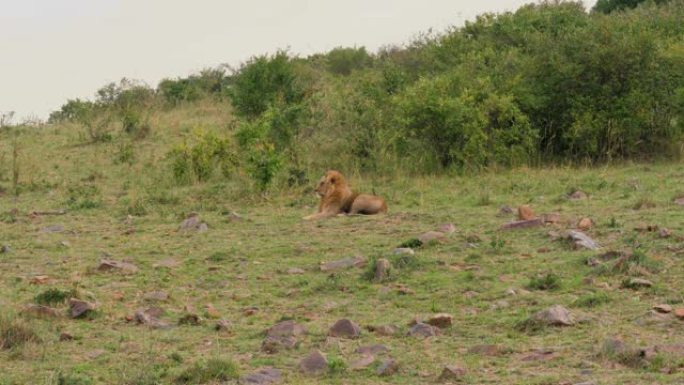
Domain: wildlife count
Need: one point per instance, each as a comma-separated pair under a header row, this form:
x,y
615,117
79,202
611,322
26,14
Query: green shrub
x,y
548,281
83,197
53,296
15,332
201,158
213,369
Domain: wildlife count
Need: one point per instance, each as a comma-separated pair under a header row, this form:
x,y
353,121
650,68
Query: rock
x,y
40,311
168,263
447,228
111,265
665,233
577,195
211,312
525,213
64,336
39,280
510,292
365,361
679,313
382,269
282,335
522,224
357,261
613,347
313,364
190,319
452,373
345,328
556,315
4,249
551,218
643,227
372,349
154,296
441,320
505,210
295,271
539,355
679,201
585,224
223,325
150,317
93,354
422,330
387,368
486,350
404,251
52,229
193,223
638,282
263,376
431,236
78,308
663,308
384,330
581,240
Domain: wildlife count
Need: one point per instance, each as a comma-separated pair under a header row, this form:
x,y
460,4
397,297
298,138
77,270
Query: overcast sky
x,y
54,50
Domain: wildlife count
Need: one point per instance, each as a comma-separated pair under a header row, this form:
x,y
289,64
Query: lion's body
x,y
338,198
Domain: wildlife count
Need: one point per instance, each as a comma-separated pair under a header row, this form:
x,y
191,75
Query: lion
x,y
337,198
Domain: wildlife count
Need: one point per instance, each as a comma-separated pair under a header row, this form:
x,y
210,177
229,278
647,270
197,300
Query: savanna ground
x,y
239,266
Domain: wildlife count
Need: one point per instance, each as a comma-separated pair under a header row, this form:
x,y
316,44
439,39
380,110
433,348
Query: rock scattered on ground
x,y
365,361
525,213
346,263
664,233
372,349
663,308
505,210
404,251
52,229
262,376
679,313
192,319
487,350
156,296
193,223
447,228
112,265
295,271
344,328
638,282
578,195
168,263
382,269
223,325
452,373
314,364
79,308
4,249
556,315
387,367
282,335
423,330
39,280
679,201
440,320
585,224
551,218
65,336
384,330
581,240
525,224
431,236
150,317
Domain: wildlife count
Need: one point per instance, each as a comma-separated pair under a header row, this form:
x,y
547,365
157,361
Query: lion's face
x,y
328,182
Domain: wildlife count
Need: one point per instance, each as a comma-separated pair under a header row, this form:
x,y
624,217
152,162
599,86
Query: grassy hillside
x,y
460,128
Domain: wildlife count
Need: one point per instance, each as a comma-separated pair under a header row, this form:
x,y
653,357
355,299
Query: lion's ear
x,y
333,180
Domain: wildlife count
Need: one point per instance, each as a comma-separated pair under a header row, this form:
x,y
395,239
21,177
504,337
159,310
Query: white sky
x,y
54,50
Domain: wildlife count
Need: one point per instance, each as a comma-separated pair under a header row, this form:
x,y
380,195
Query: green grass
x,y
239,266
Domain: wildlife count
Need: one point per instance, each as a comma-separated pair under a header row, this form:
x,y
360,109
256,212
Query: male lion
x,y
338,198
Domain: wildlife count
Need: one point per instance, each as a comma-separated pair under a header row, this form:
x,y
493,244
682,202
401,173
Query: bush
x,y
199,159
15,332
214,369
342,61
548,281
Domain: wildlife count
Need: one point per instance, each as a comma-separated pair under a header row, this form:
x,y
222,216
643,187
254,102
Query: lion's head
x,y
330,182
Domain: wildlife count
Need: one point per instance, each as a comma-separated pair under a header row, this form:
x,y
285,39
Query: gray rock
x,y
441,320
153,296
372,349
451,373
365,361
4,249
345,328
52,229
314,364
382,269
556,315
263,376
79,308
581,240
524,224
404,251
346,263
111,265
422,330
431,236
388,367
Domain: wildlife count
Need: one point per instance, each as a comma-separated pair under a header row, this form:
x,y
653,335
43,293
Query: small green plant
x,y
548,281
125,154
83,197
53,296
592,300
73,379
219,256
201,157
411,243
336,366
213,369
